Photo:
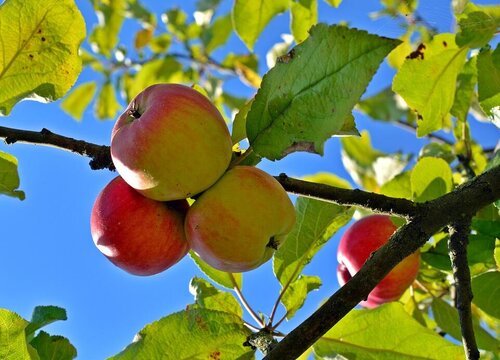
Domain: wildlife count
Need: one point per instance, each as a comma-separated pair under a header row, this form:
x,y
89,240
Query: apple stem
x,y
240,158
244,302
275,326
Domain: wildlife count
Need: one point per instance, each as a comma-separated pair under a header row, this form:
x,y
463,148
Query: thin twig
x,y
459,238
247,306
412,128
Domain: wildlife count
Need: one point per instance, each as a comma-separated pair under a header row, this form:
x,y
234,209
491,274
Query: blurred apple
x,y
238,223
170,143
139,235
358,243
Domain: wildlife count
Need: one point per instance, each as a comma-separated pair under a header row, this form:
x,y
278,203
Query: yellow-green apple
x,y
238,223
139,235
170,143
358,243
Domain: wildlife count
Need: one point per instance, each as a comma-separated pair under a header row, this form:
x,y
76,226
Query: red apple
x,y
139,235
238,223
358,243
170,143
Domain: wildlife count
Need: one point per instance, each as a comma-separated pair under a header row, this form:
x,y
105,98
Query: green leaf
x,y
161,43
296,293
278,50
334,3
447,319
217,34
383,106
9,178
430,178
205,5
427,81
12,338
495,161
175,19
476,29
399,186
467,80
479,251
40,41
111,15
486,290
367,166
304,14
79,99
287,114
191,334
53,347
370,334
316,223
327,179
208,297
437,150
488,68
220,277
239,130
167,70
250,17
107,104
44,315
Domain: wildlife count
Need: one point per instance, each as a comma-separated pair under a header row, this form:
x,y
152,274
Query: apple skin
x,y
137,234
238,223
170,143
358,243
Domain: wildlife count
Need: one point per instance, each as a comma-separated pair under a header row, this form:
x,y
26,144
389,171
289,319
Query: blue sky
x,y
47,256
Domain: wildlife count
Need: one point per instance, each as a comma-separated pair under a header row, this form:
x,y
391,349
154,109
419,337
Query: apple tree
x,y
443,198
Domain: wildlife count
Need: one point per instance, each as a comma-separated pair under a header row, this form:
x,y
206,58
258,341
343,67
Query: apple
x,y
358,243
139,235
170,143
238,223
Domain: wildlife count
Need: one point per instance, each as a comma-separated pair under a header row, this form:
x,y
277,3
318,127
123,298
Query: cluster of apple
x,y
171,144
357,244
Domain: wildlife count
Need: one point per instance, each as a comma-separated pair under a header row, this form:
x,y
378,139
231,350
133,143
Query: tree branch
x,y
463,201
376,202
459,238
99,154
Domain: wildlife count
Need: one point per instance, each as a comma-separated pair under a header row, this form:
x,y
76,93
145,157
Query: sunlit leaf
x,y
9,178
161,43
53,347
430,178
220,277
194,333
327,179
296,293
334,3
12,338
397,57
250,17
447,319
370,334
399,186
304,14
79,99
476,29
467,80
239,130
288,114
427,81
209,297
39,57
486,290
107,104
316,223
104,37
488,68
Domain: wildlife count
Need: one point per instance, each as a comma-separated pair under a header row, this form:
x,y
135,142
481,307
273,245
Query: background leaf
x,y
39,51
287,114
446,317
486,290
430,178
104,37
304,14
488,68
79,99
370,334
